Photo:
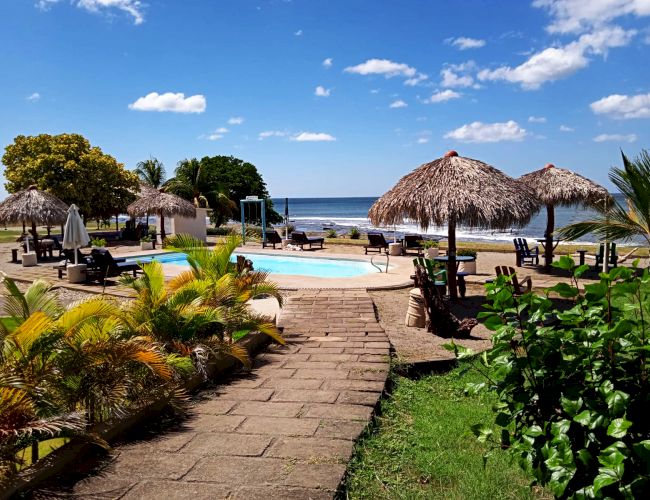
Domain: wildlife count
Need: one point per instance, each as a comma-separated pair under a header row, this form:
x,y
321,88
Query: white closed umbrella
x,y
74,233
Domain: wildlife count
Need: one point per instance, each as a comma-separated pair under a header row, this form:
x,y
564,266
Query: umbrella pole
x,y
451,258
548,235
35,236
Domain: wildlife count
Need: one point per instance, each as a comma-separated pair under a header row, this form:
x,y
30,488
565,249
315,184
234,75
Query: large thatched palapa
x,y
35,207
559,186
455,190
153,201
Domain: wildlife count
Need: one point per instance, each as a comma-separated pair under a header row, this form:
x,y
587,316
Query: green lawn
x,y
423,447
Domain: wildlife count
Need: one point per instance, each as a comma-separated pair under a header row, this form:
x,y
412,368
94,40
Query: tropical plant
x,y
572,382
331,233
151,172
146,239
467,252
190,182
430,244
98,242
616,221
354,233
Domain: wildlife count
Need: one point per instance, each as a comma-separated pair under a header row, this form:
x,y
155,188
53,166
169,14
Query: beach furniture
x,y
519,287
376,242
524,253
600,256
62,266
300,238
272,238
436,275
412,243
105,266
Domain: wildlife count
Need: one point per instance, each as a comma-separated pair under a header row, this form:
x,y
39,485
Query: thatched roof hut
x,y
455,190
559,186
153,201
33,206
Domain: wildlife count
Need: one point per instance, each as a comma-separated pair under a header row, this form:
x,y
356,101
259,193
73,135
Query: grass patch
x,y
44,449
423,447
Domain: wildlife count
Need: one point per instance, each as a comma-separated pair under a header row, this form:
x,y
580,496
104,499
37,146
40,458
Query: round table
x,y
461,276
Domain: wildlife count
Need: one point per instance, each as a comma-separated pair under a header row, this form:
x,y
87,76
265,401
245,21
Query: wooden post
x,y
162,228
451,258
548,235
35,236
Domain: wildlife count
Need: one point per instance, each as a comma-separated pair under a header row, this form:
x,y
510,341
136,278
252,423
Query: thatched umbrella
x,y
559,186
153,201
455,190
33,206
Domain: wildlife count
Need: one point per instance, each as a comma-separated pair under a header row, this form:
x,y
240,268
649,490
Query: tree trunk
x,y
34,452
548,236
117,222
35,236
451,256
162,228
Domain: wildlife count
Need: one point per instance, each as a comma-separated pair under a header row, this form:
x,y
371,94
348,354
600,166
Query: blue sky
x,y
336,98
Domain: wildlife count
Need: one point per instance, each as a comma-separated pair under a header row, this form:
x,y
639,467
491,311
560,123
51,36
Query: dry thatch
x,y
458,189
154,202
33,206
559,186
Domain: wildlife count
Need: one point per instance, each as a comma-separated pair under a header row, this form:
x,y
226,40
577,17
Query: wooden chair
x,y
300,238
517,285
600,256
376,241
272,238
524,253
436,275
412,243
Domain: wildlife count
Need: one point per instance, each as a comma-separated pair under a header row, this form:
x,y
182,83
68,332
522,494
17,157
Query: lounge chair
x,y
517,285
600,256
376,241
106,266
82,258
272,238
524,253
412,243
300,238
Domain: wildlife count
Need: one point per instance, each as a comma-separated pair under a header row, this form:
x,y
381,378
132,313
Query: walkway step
x,y
284,430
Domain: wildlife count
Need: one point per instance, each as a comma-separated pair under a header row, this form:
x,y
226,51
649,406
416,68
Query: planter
x,y
432,252
146,245
76,273
286,242
101,249
29,259
395,249
467,267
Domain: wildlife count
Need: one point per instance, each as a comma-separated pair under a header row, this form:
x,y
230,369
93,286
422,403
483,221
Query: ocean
x,y
341,214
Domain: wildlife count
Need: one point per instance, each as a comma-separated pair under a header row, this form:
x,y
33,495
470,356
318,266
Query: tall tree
x,y
67,166
190,182
151,172
618,221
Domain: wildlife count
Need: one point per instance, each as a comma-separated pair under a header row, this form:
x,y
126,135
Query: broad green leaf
x,y
618,428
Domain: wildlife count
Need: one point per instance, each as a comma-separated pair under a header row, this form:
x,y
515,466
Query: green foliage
x,y
429,244
146,239
354,233
61,163
467,252
572,382
98,242
151,172
331,233
220,231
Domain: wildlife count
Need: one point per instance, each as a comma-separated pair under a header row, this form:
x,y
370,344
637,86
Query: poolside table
x,y
460,277
542,241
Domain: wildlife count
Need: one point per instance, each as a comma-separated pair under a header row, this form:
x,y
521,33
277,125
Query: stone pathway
x,y
284,430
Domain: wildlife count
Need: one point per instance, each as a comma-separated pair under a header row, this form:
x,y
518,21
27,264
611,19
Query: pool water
x,y
280,264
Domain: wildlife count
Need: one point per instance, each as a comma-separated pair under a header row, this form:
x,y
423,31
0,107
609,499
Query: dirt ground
x,y
416,345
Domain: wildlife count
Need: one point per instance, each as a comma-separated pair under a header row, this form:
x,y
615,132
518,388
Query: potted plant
x,y
467,267
354,233
98,243
146,243
431,248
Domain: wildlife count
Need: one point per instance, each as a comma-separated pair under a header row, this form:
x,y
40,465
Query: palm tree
x,y
189,182
151,172
616,221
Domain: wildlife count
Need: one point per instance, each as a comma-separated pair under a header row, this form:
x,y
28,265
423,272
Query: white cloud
x,y
215,137
488,132
322,91
565,128
554,63
176,103
222,130
398,104
298,33
615,138
536,119
313,137
623,107
416,80
134,8
458,75
271,133
374,91
464,43
236,120
422,140
327,63
576,16
33,97
382,67
442,96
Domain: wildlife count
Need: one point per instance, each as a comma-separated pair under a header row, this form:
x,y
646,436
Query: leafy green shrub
x,y
220,231
98,242
429,244
573,382
331,233
467,252
354,233
146,239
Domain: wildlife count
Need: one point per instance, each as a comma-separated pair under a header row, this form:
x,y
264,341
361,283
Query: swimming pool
x,y
281,264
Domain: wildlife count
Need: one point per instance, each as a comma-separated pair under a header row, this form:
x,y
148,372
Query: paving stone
x,y
305,395
281,426
98,487
268,409
178,490
367,375
168,442
312,449
355,385
337,358
320,374
292,383
246,445
238,394
341,429
316,365
279,493
338,411
320,476
204,422
240,470
358,398
141,464
214,406
322,350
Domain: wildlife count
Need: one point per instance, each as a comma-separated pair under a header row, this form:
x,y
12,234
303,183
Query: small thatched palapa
x,y
455,190
559,186
162,204
34,206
